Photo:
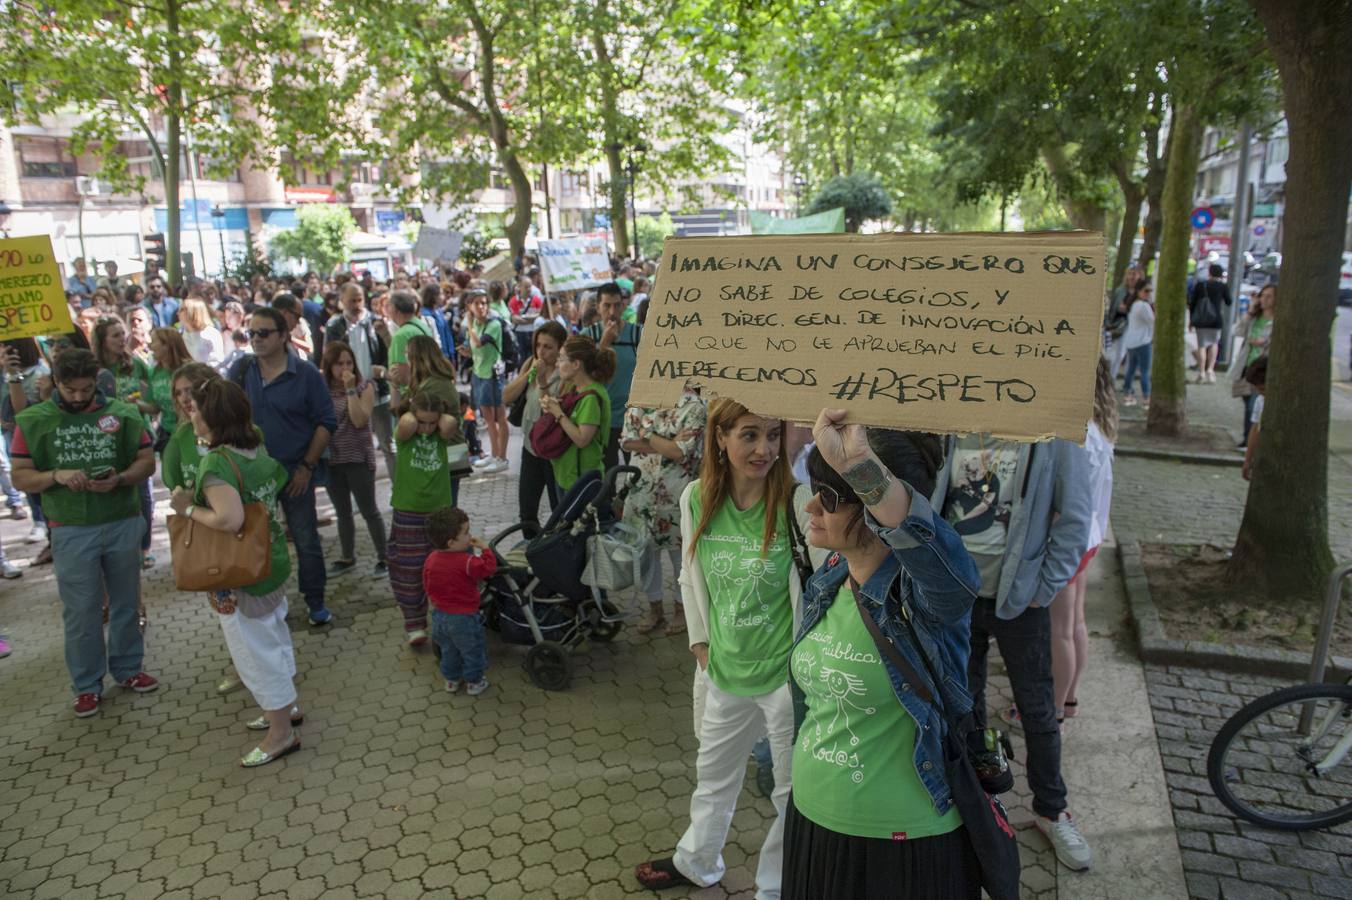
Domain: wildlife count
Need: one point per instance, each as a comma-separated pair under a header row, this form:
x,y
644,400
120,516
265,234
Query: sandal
x,y
675,627
651,623
44,558
1072,708
147,560
661,874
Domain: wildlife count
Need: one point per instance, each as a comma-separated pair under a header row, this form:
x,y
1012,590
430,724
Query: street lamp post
x,y
218,219
632,169
799,182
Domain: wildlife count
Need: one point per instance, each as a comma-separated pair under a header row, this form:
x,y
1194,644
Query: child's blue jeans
x,y
464,654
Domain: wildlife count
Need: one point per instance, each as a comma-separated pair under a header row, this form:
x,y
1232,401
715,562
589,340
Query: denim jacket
x,y
937,581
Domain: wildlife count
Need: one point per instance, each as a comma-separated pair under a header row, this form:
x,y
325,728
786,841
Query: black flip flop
x,y
666,875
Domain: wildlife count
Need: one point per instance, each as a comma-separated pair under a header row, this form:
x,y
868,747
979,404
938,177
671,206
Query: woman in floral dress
x,y
666,445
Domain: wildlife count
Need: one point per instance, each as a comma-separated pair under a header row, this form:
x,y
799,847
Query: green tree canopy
x,y
322,236
861,195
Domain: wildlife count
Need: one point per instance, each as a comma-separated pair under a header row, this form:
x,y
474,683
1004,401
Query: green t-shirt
x,y
134,384
110,435
182,458
264,479
162,395
405,333
592,409
750,614
422,480
489,351
854,760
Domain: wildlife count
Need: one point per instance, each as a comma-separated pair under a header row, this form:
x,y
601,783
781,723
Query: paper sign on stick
x,y
956,333
498,268
32,297
574,263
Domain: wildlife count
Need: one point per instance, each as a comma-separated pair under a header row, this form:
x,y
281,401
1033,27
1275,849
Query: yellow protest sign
x,y
953,333
32,298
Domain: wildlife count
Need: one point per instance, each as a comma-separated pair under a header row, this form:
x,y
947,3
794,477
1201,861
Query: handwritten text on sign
x,y
995,333
32,298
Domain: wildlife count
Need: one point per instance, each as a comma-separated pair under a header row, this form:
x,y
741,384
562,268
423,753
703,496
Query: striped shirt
x,y
349,443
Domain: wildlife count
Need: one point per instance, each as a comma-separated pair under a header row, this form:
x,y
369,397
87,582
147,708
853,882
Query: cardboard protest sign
x,y
437,244
574,263
498,268
956,333
32,297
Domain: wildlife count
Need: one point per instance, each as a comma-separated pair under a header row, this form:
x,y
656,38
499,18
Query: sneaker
x,y
497,465
452,687
475,688
381,569
417,637
1071,848
765,781
86,705
36,535
320,616
341,567
482,462
141,683
18,512
4,647
9,570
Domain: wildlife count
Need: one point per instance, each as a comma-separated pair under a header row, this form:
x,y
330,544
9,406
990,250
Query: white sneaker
x,y
497,465
9,570
36,535
1071,848
483,462
475,688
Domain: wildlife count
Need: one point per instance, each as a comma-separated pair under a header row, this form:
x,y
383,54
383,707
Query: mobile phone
x,y
105,472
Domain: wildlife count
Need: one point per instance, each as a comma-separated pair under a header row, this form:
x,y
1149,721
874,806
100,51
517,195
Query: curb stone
x,y
1155,647
1204,459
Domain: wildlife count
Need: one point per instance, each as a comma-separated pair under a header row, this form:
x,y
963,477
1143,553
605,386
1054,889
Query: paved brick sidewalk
x,y
1224,857
400,790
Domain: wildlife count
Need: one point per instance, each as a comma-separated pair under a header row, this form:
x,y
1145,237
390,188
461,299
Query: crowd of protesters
x,y
270,391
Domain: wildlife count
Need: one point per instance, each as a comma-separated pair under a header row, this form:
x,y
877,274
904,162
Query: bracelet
x,y
191,507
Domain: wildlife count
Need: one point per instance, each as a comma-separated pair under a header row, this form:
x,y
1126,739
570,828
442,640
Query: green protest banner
x,y
830,222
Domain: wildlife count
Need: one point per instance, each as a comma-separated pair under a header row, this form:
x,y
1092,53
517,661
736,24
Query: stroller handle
x,y
608,483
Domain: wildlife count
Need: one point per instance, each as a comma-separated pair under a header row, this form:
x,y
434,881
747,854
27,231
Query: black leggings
x,y
536,479
347,480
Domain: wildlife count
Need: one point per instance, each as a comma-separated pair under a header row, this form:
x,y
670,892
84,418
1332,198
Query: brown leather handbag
x,y
206,559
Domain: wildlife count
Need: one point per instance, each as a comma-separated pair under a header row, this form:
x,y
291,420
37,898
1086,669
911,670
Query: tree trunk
x,y
173,123
1157,169
615,198
1083,213
1132,195
1283,539
1169,396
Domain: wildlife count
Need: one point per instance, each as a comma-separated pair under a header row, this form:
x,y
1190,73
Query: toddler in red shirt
x,y
451,577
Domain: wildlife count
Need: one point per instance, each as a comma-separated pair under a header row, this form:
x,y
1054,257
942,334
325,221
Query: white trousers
x,y
728,726
263,655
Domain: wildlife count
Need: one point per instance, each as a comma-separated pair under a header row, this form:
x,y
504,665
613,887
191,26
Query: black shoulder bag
x,y
798,545
983,815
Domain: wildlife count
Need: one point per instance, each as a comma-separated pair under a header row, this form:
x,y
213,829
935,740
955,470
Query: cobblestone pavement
x,y
400,790
1224,857
1170,501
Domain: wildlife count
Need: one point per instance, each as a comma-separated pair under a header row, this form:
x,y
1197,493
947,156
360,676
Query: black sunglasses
x,y
830,497
261,332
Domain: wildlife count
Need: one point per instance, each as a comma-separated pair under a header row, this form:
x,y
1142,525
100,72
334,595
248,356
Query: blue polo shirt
x,y
288,408
626,360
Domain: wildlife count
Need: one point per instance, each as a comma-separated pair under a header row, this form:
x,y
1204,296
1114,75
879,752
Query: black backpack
x,y
509,351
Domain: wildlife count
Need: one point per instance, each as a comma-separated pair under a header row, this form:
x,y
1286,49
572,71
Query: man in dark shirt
x,y
1207,316
293,407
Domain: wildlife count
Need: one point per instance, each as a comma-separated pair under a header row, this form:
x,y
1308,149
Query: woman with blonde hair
x,y
201,335
742,596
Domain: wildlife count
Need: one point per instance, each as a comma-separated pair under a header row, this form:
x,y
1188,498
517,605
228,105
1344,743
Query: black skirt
x,y
820,864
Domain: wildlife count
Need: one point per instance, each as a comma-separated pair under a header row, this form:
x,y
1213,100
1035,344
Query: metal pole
x,y
1239,232
1319,662
549,219
221,234
196,208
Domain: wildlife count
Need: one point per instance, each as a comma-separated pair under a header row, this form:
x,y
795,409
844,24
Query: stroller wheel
x,y
604,631
549,667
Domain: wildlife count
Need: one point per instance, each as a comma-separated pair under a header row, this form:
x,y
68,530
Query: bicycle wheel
x,y
1265,769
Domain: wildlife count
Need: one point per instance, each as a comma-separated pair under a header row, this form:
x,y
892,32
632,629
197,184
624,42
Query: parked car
x,y
1345,281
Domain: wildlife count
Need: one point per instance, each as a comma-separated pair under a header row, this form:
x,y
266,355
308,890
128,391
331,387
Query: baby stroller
x,y
538,596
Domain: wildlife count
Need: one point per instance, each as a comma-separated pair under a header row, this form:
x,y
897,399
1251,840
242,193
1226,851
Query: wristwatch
x,y
307,466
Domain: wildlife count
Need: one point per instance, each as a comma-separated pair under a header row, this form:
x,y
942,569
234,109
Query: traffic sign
x,y
1260,230
1202,218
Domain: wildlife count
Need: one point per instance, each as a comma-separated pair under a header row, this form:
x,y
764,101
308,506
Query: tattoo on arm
x,y
869,480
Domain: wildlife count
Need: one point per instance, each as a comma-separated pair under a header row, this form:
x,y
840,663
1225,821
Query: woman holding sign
x,y
872,814
741,595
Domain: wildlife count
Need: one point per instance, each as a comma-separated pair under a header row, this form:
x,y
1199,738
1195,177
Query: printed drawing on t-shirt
x,y
981,497
749,582
841,692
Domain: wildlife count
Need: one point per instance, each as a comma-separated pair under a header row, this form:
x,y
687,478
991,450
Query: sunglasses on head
x,y
830,497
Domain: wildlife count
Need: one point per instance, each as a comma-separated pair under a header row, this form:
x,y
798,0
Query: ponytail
x,y
598,362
